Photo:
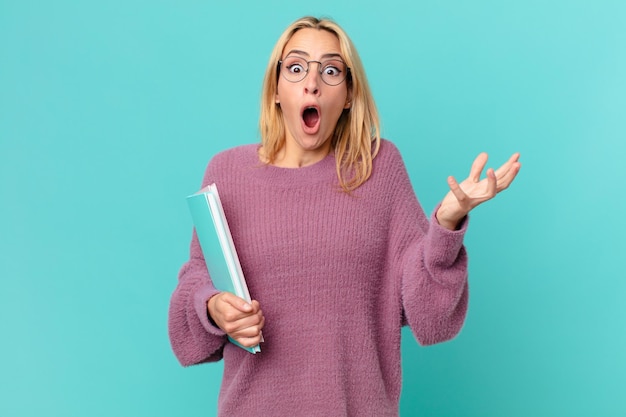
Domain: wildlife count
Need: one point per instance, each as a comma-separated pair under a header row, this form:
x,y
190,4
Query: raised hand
x,y
472,191
240,320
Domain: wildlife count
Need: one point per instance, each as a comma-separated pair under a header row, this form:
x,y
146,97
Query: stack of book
x,y
217,246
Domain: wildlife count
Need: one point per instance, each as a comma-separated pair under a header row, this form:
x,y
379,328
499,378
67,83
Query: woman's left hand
x,y
472,191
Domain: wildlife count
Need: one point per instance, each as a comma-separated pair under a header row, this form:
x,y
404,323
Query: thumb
x,y
237,302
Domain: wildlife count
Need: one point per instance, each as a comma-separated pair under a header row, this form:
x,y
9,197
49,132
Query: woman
x,y
334,245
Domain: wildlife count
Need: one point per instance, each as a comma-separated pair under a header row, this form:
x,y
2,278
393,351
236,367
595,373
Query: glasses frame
x,y
320,71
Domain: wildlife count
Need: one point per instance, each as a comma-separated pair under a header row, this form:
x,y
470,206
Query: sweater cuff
x,y
200,299
443,243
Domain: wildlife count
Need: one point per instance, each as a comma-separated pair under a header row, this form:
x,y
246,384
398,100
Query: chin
x,y
313,144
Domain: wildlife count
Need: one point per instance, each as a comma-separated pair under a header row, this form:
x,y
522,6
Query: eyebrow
x,y
325,56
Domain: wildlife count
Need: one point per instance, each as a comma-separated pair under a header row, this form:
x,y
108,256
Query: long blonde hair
x,y
356,139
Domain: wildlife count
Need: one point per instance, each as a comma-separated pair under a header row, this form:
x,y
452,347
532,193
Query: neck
x,y
290,158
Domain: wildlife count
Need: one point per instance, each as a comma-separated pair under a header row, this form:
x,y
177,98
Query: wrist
x,y
209,307
446,221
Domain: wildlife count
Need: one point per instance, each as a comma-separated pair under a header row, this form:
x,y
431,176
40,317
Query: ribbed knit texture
x,y
336,275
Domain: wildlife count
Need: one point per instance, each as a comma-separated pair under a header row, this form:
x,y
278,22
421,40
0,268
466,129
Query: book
x,y
217,246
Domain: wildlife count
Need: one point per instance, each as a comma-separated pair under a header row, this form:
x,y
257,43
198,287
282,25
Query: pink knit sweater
x,y
336,275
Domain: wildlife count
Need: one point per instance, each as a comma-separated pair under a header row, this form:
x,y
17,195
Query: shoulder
x,y
227,162
388,157
232,155
389,171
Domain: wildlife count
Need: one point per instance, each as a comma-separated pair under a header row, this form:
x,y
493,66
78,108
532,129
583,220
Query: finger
x,y
237,302
255,306
249,341
245,326
249,327
506,167
228,315
251,320
456,189
477,166
492,183
507,179
250,331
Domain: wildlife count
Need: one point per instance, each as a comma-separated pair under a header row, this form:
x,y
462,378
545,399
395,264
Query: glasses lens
x,y
333,71
294,69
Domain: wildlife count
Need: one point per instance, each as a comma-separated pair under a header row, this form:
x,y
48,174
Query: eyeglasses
x,y
294,69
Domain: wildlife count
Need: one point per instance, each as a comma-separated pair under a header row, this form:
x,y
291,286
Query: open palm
x,y
473,190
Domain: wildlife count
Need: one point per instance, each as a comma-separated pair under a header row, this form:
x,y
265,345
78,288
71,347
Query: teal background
x,y
109,112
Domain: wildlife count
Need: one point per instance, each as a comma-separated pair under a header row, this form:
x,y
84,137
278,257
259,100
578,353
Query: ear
x,y
348,100
276,99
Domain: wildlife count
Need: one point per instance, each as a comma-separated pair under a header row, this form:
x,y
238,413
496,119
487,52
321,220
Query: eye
x,y
295,68
333,68
332,71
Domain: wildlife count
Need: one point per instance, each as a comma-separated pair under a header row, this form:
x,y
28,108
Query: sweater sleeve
x,y
193,337
432,264
434,284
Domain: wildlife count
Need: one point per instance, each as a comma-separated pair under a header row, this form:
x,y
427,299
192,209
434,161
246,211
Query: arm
x,y
193,337
429,261
200,316
434,285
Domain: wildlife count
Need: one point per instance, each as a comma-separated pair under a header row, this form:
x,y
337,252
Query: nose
x,y
312,79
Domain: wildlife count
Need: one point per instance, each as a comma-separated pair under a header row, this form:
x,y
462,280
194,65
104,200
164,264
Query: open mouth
x,y
310,116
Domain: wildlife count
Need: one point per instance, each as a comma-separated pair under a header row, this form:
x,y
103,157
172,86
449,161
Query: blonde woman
x,y
336,249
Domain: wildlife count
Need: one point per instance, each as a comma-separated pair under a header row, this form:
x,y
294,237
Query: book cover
x,y
217,246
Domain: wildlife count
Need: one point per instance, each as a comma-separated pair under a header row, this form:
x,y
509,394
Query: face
x,y
311,108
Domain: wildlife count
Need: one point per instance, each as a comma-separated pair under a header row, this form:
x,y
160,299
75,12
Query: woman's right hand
x,y
239,319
